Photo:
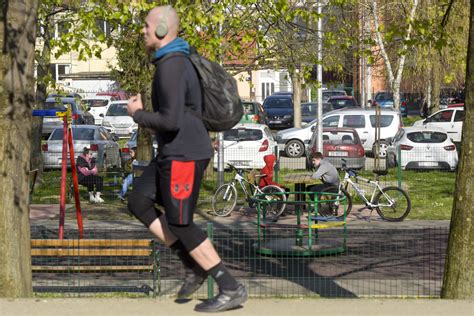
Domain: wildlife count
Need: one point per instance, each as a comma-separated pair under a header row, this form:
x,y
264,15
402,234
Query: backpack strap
x,y
178,54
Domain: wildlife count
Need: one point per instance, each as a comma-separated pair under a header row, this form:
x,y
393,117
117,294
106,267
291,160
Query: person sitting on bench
x,y
87,175
326,172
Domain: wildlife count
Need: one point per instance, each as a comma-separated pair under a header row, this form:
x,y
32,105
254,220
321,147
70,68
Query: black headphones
x,y
162,28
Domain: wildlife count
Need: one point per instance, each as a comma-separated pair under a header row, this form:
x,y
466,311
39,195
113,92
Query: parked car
x,y
309,110
338,144
101,143
254,113
279,109
423,148
116,95
131,143
117,121
293,141
449,119
339,102
245,145
331,93
384,99
61,104
97,105
364,122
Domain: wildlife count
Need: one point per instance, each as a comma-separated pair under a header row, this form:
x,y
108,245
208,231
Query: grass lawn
x,y
431,193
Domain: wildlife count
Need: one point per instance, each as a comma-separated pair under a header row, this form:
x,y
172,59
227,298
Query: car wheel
x,y
383,146
294,149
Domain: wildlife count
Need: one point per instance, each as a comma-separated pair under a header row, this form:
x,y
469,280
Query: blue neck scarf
x,y
176,45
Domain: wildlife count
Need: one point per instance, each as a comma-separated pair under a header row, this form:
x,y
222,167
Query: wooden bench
x,y
97,256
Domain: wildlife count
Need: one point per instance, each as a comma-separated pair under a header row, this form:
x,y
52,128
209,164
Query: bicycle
x,y
391,203
225,197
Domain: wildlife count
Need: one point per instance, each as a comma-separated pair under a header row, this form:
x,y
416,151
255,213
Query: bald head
x,y
168,14
156,16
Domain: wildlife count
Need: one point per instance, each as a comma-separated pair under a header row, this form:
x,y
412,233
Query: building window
x,y
59,70
103,26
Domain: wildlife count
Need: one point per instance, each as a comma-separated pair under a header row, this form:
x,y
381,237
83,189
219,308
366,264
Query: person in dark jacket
x,y
87,176
173,178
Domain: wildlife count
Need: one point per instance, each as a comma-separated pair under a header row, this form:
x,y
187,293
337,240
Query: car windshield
x,y
248,108
328,94
383,96
309,109
117,110
427,137
60,106
77,134
277,103
94,103
338,138
243,134
340,103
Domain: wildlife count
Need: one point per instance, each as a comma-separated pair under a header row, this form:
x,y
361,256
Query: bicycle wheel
x,y
335,208
273,210
224,200
393,204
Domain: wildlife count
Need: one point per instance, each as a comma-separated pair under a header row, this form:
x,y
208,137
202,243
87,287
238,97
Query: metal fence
x,y
376,263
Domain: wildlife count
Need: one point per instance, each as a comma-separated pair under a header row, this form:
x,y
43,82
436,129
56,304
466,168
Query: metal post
x,y
399,168
276,169
210,281
220,160
320,80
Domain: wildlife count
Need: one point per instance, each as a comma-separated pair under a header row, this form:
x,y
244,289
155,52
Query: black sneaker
x,y
225,300
192,283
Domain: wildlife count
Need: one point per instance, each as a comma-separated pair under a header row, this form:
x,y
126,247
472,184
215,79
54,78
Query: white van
x,y
97,105
362,120
449,119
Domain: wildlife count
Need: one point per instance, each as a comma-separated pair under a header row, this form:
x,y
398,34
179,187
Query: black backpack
x,y
222,108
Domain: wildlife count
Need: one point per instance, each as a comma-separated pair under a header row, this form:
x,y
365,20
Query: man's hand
x,y
134,104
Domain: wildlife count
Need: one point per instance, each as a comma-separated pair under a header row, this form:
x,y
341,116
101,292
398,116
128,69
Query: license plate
x,y
275,122
337,153
428,164
240,163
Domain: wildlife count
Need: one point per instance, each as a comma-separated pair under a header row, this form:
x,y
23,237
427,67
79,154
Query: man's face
x,y
316,162
148,30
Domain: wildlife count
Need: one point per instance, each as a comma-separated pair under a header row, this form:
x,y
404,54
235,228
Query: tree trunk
x,y
17,39
296,79
458,280
144,140
43,74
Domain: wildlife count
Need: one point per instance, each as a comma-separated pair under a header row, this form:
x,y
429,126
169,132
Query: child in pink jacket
x,y
87,176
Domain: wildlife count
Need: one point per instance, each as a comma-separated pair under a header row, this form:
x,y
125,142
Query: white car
x,y
245,145
449,119
293,140
96,106
117,121
423,148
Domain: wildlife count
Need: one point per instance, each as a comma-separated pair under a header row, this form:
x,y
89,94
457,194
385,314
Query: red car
x,y
338,144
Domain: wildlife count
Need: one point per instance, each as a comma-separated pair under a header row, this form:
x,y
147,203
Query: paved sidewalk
x,y
261,307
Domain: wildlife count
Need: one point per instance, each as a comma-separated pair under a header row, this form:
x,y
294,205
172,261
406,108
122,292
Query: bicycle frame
x,y
248,188
374,183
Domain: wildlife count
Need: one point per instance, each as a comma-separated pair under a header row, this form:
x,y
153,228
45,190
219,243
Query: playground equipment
x,y
315,237
67,141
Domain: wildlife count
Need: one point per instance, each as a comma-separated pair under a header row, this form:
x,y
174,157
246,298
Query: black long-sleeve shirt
x,y
180,134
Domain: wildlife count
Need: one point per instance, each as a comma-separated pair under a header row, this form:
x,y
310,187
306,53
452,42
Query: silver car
x,y
101,143
117,120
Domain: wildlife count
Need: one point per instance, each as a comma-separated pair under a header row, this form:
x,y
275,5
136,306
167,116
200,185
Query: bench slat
x,y
90,242
90,252
91,268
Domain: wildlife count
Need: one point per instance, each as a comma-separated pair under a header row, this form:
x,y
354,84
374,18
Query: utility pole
x,y
320,79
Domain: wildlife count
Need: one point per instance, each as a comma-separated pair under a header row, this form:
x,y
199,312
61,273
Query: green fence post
x,y
277,164
210,280
399,168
